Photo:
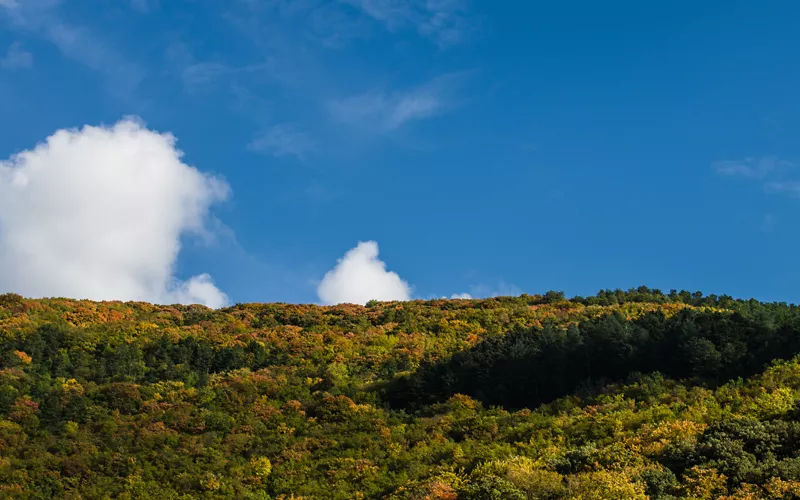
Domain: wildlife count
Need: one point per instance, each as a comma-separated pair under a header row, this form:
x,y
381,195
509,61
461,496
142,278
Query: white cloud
x,y
387,112
198,290
455,296
283,140
98,213
360,276
16,58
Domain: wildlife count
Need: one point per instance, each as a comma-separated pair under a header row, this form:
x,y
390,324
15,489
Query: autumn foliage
x,y
623,395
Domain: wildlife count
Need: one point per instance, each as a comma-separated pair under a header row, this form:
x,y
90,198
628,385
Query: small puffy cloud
x,y
16,58
502,289
283,140
198,290
465,296
99,212
360,276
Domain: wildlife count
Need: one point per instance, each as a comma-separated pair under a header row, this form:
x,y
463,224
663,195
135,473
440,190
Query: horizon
x,y
562,296
265,151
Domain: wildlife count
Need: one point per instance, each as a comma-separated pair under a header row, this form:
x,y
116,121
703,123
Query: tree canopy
x,y
626,394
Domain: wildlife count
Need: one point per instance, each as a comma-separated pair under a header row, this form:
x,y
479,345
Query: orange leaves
x,y
23,358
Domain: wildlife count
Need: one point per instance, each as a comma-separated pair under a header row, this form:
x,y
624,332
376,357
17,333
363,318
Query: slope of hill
x,y
634,394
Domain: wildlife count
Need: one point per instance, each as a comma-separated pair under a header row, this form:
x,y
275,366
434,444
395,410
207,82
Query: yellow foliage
x,y
71,428
702,484
652,439
146,327
780,489
745,492
603,485
211,482
772,404
262,467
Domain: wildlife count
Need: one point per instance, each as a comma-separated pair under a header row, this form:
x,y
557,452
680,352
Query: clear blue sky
x,y
488,147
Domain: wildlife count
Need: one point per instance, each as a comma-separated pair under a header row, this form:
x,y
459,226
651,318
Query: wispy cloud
x,y
385,112
41,18
322,193
337,23
445,22
16,58
195,75
753,168
144,6
382,111
198,76
769,223
791,187
775,175
327,22
283,140
335,28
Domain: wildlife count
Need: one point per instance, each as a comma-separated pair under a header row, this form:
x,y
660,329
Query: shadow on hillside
x,y
528,367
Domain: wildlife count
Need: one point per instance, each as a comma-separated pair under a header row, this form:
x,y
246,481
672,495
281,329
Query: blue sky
x,y
487,147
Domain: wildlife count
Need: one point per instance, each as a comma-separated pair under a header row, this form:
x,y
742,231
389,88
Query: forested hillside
x,y
624,395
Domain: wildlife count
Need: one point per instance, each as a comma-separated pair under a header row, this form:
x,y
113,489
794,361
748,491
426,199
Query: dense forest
x,y
624,395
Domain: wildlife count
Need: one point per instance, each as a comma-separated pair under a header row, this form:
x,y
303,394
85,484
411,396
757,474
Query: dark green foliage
x,y
748,450
528,367
659,484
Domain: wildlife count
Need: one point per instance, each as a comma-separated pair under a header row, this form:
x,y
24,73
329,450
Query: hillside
x,y
636,394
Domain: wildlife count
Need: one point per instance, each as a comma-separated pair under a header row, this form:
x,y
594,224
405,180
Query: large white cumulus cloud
x,y
360,276
98,213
